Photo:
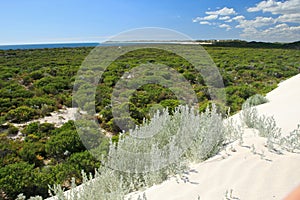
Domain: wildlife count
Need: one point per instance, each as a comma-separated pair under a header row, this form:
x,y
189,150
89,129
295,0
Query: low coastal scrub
x,y
35,87
153,152
33,84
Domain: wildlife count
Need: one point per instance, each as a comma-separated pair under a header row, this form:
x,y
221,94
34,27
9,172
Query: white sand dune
x,y
246,174
284,104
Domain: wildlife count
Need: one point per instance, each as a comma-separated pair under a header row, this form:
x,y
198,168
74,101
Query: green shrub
x,y
64,141
12,130
38,129
16,178
21,114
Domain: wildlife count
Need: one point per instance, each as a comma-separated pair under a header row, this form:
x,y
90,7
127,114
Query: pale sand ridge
x,y
258,175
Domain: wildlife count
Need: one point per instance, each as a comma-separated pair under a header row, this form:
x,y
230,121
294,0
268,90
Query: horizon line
x,y
108,41
57,42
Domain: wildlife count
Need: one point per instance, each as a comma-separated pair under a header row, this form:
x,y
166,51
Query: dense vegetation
x,y
47,155
37,82
254,44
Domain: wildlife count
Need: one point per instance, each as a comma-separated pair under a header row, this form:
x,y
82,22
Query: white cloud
x,y
277,7
257,22
197,19
228,27
282,25
222,14
223,11
294,18
209,17
279,33
238,18
224,18
205,22
288,10
263,6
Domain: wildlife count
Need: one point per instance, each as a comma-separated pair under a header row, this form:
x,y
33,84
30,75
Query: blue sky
x,y
49,21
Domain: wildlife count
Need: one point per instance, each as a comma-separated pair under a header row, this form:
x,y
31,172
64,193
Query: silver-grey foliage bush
x,y
153,152
106,185
267,127
249,116
255,100
22,197
208,135
291,142
233,130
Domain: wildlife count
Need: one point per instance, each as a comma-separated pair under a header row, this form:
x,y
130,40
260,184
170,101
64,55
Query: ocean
x,y
73,45
43,46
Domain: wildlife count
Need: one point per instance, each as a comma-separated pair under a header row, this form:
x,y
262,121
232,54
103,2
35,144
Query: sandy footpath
x,y
58,118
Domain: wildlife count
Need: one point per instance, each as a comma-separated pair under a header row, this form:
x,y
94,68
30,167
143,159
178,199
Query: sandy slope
x,y
284,104
251,175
